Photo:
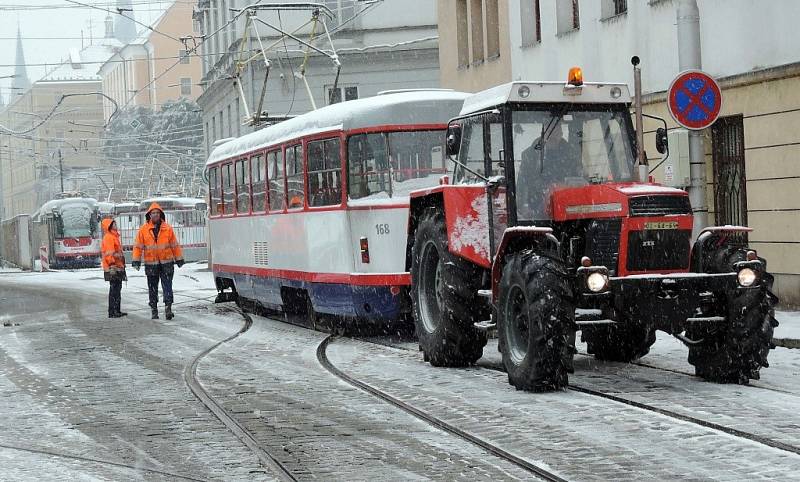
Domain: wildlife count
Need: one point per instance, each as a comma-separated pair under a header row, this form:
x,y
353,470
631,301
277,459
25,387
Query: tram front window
x,y
76,221
567,146
388,165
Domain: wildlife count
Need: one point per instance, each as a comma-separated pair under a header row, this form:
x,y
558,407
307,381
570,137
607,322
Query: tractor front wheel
x,y
536,322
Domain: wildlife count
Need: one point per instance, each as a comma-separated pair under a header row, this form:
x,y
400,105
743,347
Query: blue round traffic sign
x,y
694,99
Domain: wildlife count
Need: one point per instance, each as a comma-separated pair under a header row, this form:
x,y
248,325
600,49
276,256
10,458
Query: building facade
x,y
381,46
144,71
751,151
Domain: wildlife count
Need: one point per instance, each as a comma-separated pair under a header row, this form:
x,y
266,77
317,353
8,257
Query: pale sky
x,y
50,32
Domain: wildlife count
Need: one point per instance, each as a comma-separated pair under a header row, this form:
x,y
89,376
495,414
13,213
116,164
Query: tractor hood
x,y
613,201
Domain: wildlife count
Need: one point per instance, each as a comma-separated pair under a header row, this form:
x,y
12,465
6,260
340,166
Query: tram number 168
x,y
382,229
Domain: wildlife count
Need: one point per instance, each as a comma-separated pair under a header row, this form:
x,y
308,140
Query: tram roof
x,y
167,202
50,206
400,108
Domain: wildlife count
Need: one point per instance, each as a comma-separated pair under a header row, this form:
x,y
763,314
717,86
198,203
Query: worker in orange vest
x,y
113,262
157,246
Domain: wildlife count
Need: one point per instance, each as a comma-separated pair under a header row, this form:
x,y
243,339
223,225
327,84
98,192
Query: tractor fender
x,y
710,239
419,202
515,239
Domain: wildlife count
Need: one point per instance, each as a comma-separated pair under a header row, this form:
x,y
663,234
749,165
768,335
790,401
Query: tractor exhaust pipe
x,y
641,161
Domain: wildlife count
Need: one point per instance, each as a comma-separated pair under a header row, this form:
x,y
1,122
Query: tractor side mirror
x,y
453,139
662,144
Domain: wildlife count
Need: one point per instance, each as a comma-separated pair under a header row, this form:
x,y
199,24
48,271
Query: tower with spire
x,y
20,83
124,27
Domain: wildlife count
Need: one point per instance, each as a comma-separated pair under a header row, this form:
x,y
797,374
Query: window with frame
x,y
567,15
258,171
183,55
324,173
336,95
295,186
277,194
531,22
492,29
186,86
612,8
243,186
227,189
471,152
476,30
214,194
462,33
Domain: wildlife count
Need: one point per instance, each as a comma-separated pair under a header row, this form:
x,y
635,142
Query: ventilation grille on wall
x,y
260,253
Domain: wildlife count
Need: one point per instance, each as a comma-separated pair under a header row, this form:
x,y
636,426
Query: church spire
x,y
20,83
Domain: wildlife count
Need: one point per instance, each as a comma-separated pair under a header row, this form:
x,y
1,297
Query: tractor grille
x,y
602,244
658,249
659,205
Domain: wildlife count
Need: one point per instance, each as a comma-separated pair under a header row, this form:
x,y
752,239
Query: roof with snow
x,y
423,107
83,65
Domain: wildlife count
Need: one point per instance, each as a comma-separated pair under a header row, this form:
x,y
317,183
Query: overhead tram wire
x,y
121,14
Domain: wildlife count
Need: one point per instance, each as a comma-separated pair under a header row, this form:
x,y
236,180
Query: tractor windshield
x,y
568,145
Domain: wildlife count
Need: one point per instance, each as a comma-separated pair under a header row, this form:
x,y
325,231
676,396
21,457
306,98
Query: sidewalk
x,y
787,334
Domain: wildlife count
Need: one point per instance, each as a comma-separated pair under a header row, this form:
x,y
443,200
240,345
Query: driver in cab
x,y
544,165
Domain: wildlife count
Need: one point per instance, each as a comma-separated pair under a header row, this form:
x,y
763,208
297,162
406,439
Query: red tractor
x,y
546,228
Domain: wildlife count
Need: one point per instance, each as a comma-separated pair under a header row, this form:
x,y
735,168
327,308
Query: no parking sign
x,y
694,99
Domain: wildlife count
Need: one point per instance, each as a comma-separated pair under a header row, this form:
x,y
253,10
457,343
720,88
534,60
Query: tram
x,y
310,215
69,230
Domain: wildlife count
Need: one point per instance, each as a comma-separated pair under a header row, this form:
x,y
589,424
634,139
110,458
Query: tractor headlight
x,y
597,282
747,277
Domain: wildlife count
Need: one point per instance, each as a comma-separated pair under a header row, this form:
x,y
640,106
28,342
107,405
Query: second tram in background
x,y
187,216
68,230
308,215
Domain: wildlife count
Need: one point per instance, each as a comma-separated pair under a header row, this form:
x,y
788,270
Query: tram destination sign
x,y
694,99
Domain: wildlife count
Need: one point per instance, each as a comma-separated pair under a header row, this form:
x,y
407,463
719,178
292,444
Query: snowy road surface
x,y
82,396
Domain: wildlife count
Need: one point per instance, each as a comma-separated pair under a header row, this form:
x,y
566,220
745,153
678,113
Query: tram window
x,y
243,186
294,176
368,166
227,189
276,193
259,179
417,160
214,194
324,173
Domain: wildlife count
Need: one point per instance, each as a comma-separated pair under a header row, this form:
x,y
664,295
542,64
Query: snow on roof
x,y
49,206
650,189
84,65
403,108
546,92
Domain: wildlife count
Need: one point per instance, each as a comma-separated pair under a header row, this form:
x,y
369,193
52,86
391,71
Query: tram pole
x,y
61,169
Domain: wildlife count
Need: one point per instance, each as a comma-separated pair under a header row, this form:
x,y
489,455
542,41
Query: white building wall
x,y
736,35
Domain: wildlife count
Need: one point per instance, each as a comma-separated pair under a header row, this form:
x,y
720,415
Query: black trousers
x,y
114,297
156,273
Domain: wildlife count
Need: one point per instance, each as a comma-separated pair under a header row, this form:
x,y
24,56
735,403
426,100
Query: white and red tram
x,y
310,215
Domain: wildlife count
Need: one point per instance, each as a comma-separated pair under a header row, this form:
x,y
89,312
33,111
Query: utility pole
x,y
689,58
61,169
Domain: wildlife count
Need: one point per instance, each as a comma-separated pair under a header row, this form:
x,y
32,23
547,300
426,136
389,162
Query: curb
x,y
786,342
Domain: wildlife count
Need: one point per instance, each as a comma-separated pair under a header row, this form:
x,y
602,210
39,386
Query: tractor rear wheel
x,y
622,343
444,294
536,322
736,352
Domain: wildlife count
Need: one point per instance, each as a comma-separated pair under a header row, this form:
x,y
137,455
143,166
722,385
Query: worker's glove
x,y
179,263
136,265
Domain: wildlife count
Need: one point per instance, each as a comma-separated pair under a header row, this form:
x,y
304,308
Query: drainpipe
x,y
689,58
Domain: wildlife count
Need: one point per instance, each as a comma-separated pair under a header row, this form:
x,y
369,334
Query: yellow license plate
x,y
661,225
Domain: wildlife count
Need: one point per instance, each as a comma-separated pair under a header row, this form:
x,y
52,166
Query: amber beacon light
x,y
575,76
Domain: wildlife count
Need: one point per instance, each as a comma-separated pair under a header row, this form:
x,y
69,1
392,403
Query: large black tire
x,y
736,352
623,343
536,322
444,294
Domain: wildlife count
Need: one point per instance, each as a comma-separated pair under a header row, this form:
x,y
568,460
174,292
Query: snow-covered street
x,y
87,396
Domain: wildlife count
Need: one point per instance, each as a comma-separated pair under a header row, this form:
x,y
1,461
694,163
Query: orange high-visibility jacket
x,y
112,258
151,251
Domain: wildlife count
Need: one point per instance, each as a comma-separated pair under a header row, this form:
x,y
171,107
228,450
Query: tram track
x,y
322,357
650,408
213,405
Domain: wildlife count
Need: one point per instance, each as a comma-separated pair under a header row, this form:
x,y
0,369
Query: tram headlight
x,y
597,282
746,277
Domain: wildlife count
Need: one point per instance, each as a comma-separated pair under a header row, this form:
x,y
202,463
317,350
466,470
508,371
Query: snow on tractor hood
x,y
603,200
